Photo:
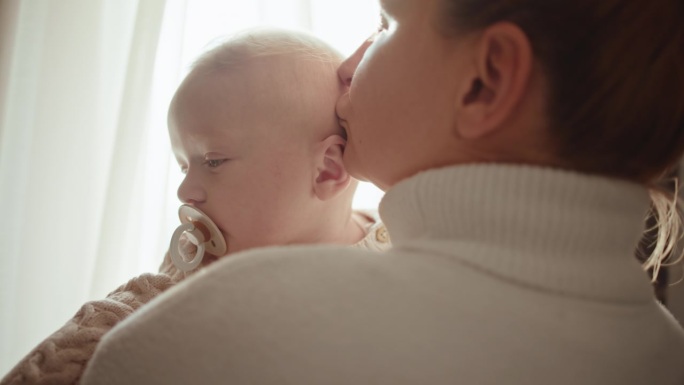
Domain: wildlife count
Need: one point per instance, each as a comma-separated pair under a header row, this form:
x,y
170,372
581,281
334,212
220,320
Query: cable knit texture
x,y
498,275
62,357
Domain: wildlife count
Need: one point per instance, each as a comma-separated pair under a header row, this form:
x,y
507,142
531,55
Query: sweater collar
x,y
543,227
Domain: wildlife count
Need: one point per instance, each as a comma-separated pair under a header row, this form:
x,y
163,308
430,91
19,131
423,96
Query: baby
x,y
254,129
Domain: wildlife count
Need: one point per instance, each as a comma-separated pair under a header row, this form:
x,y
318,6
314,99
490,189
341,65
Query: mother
x,y
518,140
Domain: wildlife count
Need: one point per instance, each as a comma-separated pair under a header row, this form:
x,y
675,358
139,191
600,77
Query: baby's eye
x,y
212,163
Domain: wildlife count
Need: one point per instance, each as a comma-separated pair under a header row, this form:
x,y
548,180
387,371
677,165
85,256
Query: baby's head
x,y
253,127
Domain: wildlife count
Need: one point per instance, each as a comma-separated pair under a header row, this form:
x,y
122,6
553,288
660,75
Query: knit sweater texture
x,y
62,357
497,275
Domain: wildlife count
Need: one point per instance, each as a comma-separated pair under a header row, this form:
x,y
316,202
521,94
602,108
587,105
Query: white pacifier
x,y
201,232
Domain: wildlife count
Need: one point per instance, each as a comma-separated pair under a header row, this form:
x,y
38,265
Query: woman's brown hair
x,y
615,72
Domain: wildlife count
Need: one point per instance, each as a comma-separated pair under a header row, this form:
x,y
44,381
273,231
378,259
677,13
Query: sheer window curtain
x,y
87,180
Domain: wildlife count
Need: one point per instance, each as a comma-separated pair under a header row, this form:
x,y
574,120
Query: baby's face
x,y
243,167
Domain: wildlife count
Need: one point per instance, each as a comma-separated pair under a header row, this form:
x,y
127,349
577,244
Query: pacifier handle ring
x,y
175,253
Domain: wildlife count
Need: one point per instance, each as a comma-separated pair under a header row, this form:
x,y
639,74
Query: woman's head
x,y
594,86
615,73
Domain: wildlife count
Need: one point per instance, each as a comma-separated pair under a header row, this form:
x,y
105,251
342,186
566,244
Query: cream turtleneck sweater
x,y
498,275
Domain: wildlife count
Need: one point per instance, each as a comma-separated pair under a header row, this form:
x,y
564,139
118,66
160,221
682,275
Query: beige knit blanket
x,y
62,357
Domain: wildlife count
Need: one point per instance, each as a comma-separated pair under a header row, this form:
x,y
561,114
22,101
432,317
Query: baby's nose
x,y
191,192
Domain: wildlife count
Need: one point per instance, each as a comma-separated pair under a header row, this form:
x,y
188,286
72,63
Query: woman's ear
x,y
330,177
496,82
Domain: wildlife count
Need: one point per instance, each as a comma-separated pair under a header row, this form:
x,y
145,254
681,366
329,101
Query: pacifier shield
x,y
216,244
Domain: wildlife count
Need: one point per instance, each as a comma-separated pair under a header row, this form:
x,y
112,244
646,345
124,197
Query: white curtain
x,y
87,180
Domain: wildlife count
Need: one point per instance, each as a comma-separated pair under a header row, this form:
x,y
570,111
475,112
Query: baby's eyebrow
x,y
214,154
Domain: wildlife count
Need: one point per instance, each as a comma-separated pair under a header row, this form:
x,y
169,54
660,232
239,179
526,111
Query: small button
x,y
381,234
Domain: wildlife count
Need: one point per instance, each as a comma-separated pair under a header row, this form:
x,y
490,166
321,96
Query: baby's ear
x,y
331,177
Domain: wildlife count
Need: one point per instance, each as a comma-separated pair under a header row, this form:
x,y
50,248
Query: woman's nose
x,y
348,67
190,190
